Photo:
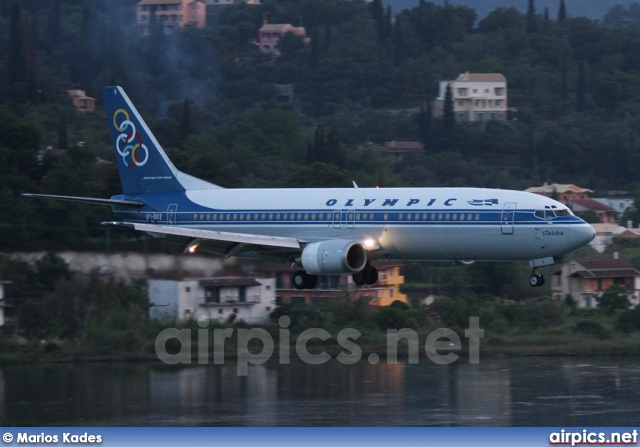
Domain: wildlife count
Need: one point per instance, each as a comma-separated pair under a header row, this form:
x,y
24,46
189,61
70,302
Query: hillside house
x,y
476,97
2,301
561,193
225,299
398,150
171,14
270,34
605,213
620,205
81,101
383,293
586,279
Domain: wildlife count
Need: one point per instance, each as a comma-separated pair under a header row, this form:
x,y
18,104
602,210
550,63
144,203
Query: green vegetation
x,y
362,79
65,316
209,96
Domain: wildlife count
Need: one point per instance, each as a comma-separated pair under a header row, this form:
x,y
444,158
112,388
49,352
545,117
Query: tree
x,y
425,124
581,89
16,55
30,62
319,175
376,8
545,18
615,297
531,18
186,126
562,11
448,115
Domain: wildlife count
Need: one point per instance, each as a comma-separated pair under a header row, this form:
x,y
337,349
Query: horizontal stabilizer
x,y
92,200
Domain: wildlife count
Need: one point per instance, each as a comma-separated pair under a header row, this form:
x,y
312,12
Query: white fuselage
x,y
470,224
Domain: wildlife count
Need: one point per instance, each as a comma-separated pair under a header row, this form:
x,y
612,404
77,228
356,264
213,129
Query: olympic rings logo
x,y
129,143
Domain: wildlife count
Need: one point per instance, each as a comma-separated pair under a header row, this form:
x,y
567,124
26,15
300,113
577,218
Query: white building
x,y
476,96
230,2
250,300
620,205
586,279
2,303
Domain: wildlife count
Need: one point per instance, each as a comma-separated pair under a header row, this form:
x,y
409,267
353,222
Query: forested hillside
x,y
209,96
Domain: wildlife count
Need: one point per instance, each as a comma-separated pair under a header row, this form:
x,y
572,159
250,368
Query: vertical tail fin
x,y
143,166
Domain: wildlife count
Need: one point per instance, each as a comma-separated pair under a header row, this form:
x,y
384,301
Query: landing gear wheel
x,y
371,275
302,280
298,279
359,278
368,275
312,281
536,280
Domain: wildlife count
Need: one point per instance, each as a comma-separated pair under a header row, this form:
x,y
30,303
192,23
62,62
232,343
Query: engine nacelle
x,y
333,257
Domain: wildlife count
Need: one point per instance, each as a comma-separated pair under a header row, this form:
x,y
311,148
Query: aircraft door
x,y
344,219
507,218
172,213
337,218
351,218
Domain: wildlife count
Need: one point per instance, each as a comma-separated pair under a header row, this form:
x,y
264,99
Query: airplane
x,y
328,231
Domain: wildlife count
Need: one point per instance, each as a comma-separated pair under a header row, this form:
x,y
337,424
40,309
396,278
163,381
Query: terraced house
x,y
171,14
586,279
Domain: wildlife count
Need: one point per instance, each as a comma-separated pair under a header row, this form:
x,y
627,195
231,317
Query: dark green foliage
x,y
536,314
543,313
448,116
614,298
531,17
562,11
359,83
49,300
302,316
456,311
393,317
590,217
629,320
50,270
592,329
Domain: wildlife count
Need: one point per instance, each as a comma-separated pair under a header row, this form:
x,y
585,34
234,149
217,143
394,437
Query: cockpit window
x,y
544,214
548,214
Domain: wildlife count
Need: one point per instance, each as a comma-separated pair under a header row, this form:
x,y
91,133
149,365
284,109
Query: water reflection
x,y
503,392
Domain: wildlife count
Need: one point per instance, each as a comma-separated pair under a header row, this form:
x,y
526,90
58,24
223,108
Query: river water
x,y
496,392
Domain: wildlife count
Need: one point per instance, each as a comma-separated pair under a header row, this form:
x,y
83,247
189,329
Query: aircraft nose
x,y
583,234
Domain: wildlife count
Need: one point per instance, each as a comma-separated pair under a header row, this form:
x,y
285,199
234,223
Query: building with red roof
x,y
586,279
270,34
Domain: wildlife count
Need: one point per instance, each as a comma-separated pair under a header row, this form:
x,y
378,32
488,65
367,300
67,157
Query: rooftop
x,y
605,268
481,77
549,188
159,2
229,282
594,205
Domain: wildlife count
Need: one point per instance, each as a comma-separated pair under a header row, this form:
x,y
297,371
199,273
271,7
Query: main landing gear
x,y
536,279
368,275
303,280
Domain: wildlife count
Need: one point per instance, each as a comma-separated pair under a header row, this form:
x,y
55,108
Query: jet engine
x,y
333,257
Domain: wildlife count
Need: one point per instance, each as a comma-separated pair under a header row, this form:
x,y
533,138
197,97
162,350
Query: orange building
x,y
562,193
171,14
81,101
271,33
383,293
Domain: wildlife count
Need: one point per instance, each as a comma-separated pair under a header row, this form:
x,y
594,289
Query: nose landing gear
x,y
536,279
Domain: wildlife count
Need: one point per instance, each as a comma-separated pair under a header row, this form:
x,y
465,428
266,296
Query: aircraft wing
x,y
223,243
